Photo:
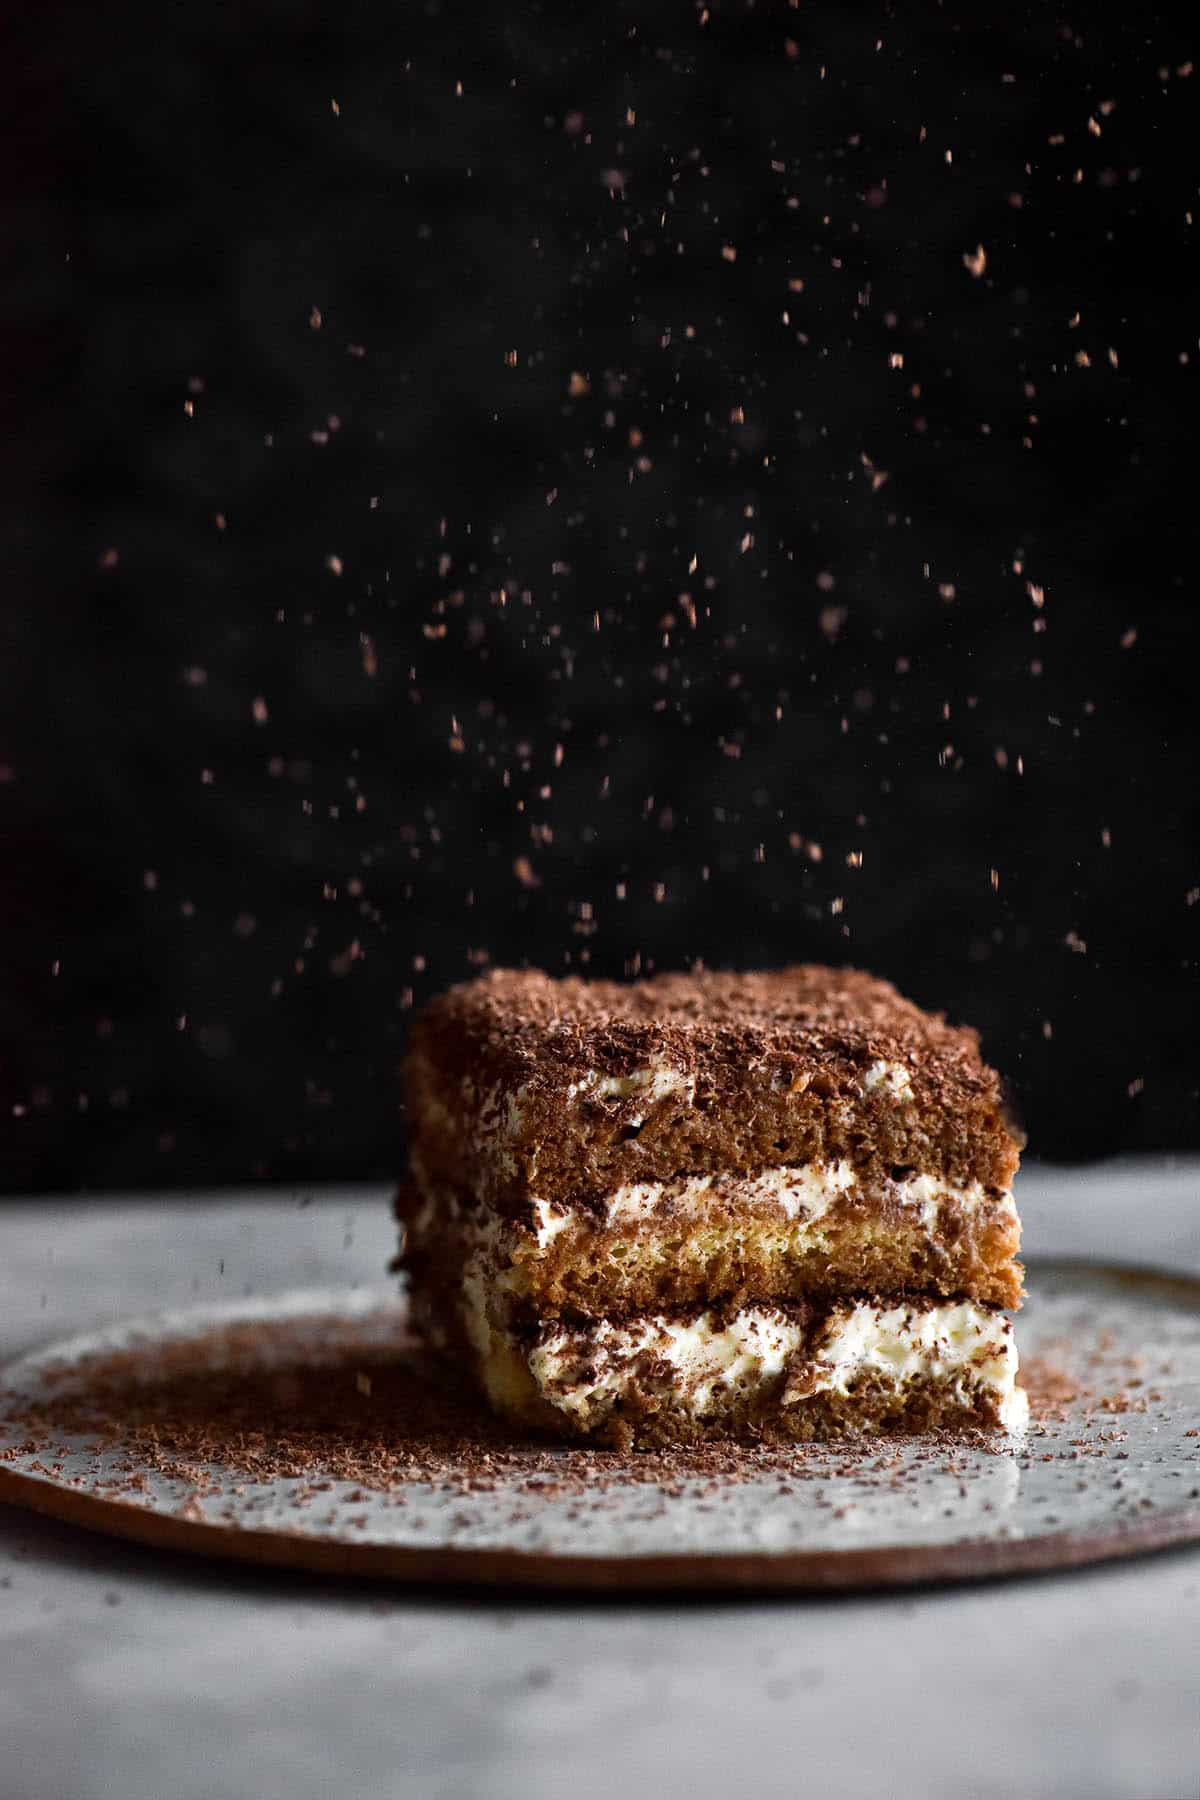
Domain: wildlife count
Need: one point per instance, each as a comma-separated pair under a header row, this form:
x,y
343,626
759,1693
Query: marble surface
x,y
133,1675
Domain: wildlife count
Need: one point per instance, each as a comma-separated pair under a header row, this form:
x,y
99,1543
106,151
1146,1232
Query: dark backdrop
x,y
600,487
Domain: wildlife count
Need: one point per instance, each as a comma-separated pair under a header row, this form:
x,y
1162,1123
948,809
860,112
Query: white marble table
x,y
130,1676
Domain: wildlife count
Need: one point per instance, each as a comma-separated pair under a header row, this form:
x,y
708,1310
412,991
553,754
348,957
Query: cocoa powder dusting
x,y
292,1400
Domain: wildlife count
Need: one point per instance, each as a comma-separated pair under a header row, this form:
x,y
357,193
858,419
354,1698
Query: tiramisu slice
x,y
712,1204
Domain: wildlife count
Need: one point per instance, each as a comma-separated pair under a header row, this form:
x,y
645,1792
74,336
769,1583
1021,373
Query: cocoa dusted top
x,y
520,1084
521,1018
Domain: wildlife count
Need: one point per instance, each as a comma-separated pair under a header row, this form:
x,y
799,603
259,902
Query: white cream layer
x,y
890,1075
699,1367
804,1192
970,1346
800,1195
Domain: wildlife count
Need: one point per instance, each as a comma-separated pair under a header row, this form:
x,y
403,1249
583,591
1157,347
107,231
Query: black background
x,y
601,487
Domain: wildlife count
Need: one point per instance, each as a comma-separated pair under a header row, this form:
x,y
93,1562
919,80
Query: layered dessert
x,y
710,1205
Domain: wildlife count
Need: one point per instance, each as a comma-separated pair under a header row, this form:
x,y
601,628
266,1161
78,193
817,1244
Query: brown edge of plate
x,y
762,1572
724,1572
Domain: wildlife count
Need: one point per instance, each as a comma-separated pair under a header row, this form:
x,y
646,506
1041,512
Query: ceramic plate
x,y
153,1430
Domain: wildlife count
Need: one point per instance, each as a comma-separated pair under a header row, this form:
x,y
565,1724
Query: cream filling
x,y
658,1081
699,1368
585,1373
960,1343
801,1195
806,1192
890,1075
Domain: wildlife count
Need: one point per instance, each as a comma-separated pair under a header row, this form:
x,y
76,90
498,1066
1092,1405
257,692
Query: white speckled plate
x,y
1110,1466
